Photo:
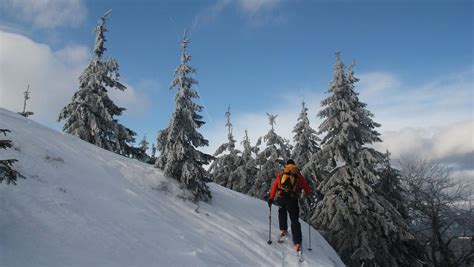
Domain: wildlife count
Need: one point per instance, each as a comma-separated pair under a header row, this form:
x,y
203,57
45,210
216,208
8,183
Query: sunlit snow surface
x,y
84,206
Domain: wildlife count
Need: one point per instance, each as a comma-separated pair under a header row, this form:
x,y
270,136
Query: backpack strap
x,y
281,177
279,181
296,180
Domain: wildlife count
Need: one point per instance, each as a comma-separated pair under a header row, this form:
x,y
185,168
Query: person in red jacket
x,y
286,189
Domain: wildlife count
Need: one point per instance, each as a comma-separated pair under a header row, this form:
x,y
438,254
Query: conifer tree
x,y
304,154
141,151
247,170
143,145
305,139
270,160
223,169
389,186
363,227
26,95
91,115
153,153
178,143
7,172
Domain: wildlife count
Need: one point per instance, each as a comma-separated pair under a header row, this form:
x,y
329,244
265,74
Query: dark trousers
x,y
290,205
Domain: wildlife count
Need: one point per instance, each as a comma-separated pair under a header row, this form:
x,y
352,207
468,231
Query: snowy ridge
x,y
84,206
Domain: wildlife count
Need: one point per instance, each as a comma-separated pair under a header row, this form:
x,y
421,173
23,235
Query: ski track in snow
x,y
84,206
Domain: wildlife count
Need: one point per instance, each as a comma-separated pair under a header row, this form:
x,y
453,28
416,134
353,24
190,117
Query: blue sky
x,y
414,59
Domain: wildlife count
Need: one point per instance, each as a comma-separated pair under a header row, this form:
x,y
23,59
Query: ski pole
x,y
309,225
270,227
309,230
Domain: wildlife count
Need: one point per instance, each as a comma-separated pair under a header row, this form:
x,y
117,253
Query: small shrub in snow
x,y
54,159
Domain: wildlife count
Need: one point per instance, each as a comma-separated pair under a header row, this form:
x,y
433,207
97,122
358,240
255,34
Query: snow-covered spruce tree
x,y
305,139
270,160
304,153
153,153
363,227
91,115
177,144
7,172
247,170
227,160
141,153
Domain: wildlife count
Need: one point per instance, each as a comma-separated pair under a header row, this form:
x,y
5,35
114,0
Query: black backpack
x,y
288,184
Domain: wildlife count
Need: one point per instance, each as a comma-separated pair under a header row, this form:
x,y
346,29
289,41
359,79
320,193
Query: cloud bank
x,y
452,143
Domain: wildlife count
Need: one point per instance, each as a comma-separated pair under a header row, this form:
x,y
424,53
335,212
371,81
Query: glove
x,y
319,196
270,202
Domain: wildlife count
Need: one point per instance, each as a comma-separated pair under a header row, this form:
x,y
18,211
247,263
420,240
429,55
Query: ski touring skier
x,y
284,193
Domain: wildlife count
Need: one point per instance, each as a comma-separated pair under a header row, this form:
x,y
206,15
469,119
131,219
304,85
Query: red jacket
x,y
301,182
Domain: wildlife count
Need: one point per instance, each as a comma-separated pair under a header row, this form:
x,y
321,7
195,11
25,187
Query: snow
x,y
84,206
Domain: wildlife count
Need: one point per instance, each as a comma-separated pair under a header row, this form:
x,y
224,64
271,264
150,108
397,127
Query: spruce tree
x,y
227,160
91,115
141,151
7,172
304,151
389,186
305,139
363,227
178,143
271,160
26,95
247,170
153,153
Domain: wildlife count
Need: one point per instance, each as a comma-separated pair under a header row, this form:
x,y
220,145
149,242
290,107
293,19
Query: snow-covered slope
x,y
84,206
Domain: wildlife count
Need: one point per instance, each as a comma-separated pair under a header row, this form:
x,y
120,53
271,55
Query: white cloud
x,y
210,13
255,12
397,104
135,102
377,82
72,55
48,14
451,144
454,140
406,141
251,7
52,76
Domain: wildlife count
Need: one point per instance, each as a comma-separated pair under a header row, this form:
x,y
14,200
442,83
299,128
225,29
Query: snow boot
x,y
283,234
298,247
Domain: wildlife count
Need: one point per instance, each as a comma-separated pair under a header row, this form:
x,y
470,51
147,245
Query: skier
x,y
286,188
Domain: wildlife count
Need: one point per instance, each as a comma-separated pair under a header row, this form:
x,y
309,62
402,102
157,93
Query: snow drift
x,y
83,206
